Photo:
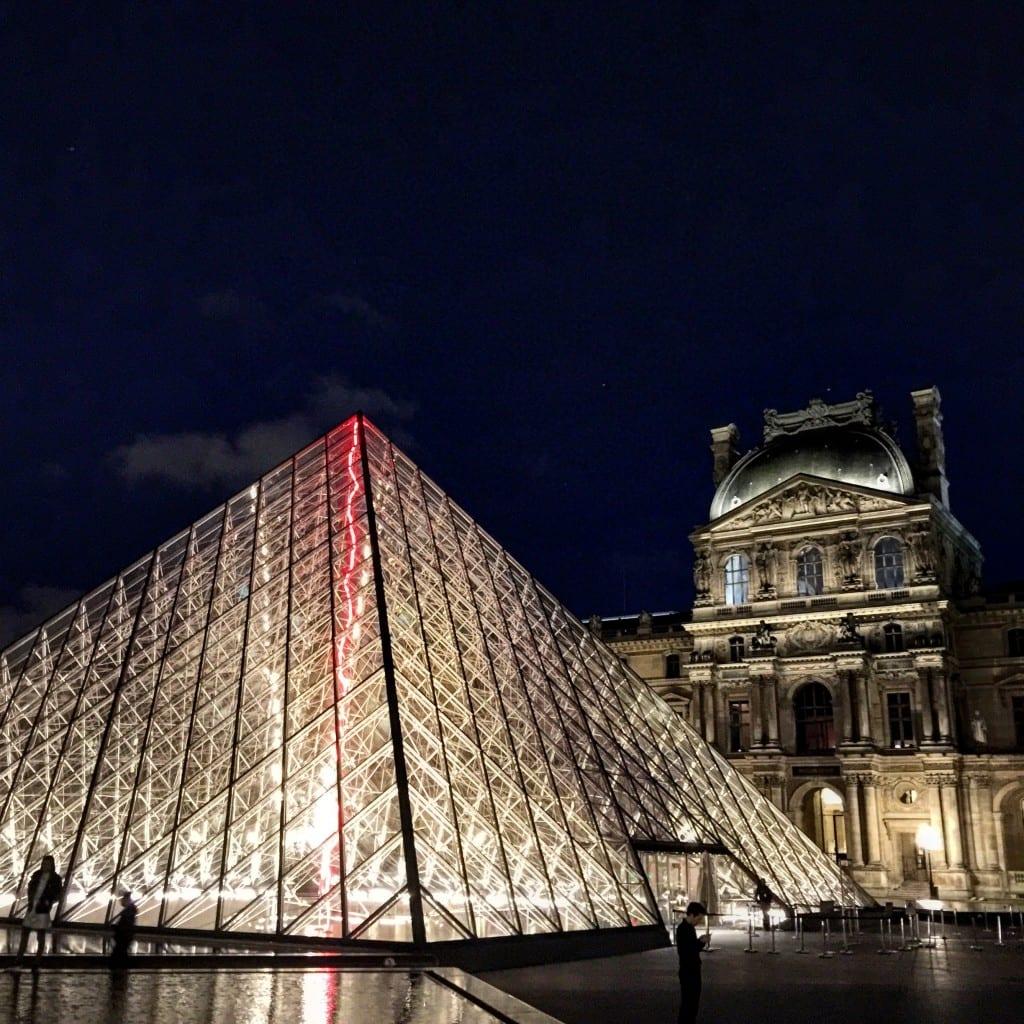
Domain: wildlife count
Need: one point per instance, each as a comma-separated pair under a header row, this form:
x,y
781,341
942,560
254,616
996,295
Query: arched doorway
x,y
1010,808
822,816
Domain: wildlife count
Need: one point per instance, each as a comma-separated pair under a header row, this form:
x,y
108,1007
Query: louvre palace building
x,y
842,655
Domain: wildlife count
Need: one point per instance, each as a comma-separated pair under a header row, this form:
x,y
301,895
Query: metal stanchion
x,y
975,944
707,936
825,951
773,951
801,930
999,929
846,951
750,933
882,949
903,935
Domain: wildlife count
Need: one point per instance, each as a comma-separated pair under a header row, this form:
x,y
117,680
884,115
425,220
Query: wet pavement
x,y
69,996
950,983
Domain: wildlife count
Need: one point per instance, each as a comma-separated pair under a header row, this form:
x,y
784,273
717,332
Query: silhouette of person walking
x,y
689,946
44,889
124,932
763,897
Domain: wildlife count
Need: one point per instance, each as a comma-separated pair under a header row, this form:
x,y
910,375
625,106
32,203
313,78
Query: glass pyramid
x,y
335,707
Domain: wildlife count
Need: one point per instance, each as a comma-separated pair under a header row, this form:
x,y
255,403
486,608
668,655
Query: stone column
x,y
846,706
940,694
951,823
873,846
853,838
707,691
772,690
977,833
991,823
924,705
756,723
863,711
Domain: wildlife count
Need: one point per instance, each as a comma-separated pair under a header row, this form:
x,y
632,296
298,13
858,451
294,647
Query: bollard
x,y
707,936
903,936
825,951
773,951
750,933
999,929
846,945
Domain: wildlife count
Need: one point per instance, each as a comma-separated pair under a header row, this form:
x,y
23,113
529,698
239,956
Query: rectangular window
x,y
901,719
1018,720
739,725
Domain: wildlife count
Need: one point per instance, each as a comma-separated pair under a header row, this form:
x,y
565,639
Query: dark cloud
x,y
356,307
192,459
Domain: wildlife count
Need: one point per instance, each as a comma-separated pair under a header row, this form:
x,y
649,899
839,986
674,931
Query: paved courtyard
x,y
927,986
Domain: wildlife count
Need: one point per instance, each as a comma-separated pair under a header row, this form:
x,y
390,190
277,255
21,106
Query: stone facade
x,y
841,654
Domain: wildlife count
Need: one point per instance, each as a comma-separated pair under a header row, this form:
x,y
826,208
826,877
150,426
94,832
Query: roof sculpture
x,y
844,442
334,706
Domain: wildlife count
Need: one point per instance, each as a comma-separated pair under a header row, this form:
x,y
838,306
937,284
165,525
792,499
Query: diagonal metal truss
x,y
336,707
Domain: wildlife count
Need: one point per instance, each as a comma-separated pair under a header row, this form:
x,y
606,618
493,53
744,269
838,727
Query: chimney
x,y
931,449
724,447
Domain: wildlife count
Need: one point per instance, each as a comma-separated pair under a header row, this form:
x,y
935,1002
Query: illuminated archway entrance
x,y
823,818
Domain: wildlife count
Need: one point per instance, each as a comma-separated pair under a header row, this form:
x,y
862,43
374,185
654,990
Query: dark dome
x,y
853,455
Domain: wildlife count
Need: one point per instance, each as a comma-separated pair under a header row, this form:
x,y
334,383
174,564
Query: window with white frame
x,y
810,577
889,564
737,579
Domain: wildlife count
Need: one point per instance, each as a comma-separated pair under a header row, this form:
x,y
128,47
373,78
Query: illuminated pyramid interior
x,y
335,707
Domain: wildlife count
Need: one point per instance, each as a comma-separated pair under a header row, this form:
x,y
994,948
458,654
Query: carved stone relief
x,y
809,500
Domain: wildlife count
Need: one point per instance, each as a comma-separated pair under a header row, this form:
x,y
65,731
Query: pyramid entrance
x,y
336,707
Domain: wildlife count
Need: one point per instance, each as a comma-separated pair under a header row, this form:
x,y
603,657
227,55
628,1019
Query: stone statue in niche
x,y
923,550
764,639
765,561
848,553
702,574
979,729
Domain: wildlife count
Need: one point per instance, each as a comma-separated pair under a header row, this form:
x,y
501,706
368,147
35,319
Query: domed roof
x,y
864,456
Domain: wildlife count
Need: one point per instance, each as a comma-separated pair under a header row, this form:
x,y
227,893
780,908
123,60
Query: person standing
x,y
763,897
44,890
689,946
124,932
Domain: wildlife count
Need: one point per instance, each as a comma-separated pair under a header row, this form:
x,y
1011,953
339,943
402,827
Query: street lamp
x,y
929,840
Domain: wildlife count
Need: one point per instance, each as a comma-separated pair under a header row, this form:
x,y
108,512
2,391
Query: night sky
x,y
545,247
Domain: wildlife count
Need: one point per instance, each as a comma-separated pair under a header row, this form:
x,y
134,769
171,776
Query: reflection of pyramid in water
x,y
334,706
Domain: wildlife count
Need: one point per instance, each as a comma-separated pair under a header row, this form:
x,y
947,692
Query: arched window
x,y
810,580
737,579
737,648
888,563
1015,643
671,666
892,634
815,723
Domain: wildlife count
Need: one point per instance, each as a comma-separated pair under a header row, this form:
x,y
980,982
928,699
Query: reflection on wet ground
x,y
233,997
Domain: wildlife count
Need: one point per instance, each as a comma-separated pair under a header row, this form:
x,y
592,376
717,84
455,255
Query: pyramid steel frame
x,y
335,707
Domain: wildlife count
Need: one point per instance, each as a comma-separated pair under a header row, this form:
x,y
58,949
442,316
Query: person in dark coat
x,y
689,946
124,932
763,897
44,890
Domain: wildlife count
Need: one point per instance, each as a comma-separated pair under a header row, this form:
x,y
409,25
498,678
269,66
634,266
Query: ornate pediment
x,y
804,498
